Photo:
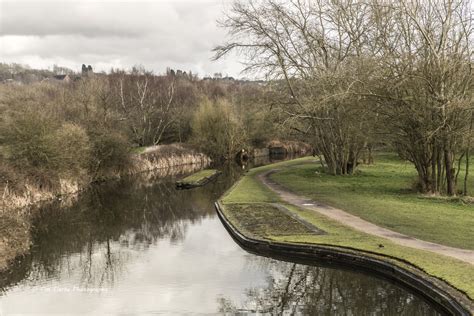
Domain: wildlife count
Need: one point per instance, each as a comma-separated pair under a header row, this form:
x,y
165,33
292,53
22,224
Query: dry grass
x,y
167,156
14,236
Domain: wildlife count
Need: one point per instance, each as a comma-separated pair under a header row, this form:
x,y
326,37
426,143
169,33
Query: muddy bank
x,y
17,209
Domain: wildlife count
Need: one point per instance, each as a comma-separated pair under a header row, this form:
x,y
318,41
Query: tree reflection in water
x,y
294,289
110,223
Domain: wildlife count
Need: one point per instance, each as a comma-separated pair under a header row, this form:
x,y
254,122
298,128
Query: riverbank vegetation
x,y
250,194
55,135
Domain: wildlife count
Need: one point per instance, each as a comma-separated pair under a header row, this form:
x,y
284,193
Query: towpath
x,y
361,224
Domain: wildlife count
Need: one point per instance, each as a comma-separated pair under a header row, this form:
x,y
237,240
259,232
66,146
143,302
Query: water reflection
x,y
140,246
294,289
132,213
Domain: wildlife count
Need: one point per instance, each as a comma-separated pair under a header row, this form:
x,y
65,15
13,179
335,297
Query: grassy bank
x,y
382,194
249,193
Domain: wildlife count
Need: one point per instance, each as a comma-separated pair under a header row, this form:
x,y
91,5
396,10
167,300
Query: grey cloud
x,y
63,18
156,34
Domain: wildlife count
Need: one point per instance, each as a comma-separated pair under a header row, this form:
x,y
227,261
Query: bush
x,y
27,140
110,153
73,150
32,141
217,131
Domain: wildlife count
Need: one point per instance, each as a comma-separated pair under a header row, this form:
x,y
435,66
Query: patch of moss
x,y
265,220
198,178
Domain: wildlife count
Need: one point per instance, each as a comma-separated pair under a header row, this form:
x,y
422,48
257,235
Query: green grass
x,y
250,191
381,194
199,176
247,189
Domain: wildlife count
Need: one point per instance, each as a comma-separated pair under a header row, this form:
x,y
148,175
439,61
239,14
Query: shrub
x,y
110,153
33,141
217,131
73,150
27,140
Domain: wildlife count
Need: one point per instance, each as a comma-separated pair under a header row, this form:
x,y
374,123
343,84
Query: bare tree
x,y
146,102
313,51
339,65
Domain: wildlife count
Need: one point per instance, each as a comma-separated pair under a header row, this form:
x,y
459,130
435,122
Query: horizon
x,y
120,35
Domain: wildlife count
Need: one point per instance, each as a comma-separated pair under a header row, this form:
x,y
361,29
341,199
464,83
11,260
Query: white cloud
x,y
106,33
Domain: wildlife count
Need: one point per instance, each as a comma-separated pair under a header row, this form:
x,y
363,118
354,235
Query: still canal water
x,y
138,246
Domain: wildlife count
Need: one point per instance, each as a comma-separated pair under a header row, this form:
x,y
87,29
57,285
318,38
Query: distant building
x,y
87,70
59,79
63,78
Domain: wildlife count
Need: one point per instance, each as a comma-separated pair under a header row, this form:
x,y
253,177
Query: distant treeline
x,y
24,74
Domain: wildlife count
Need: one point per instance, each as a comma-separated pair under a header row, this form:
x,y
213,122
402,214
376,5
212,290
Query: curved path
x,y
363,225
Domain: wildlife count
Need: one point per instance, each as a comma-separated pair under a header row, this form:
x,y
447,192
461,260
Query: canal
x,y
138,246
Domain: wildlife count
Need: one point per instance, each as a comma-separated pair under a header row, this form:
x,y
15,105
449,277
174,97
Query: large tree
x,y
342,67
313,53
146,102
423,49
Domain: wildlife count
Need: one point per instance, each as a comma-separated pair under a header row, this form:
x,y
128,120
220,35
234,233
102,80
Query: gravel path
x,y
363,225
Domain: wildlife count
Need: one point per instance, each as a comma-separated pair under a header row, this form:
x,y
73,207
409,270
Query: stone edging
x,y
418,282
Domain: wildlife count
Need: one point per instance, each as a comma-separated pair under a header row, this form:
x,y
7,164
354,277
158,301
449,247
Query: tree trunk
x,y
439,171
467,154
434,160
450,189
458,170
371,157
467,169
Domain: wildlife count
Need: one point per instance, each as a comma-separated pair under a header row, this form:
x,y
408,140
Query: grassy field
x,y
249,191
382,194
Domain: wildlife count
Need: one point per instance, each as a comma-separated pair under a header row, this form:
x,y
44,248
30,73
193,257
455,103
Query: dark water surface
x,y
140,247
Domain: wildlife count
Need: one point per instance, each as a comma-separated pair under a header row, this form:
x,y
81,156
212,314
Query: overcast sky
x,y
109,33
